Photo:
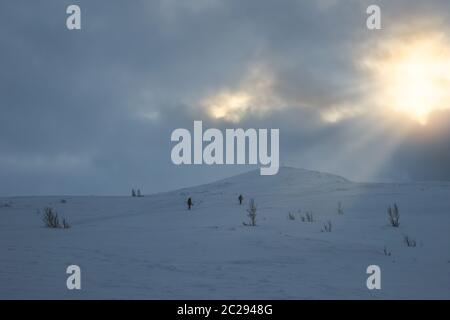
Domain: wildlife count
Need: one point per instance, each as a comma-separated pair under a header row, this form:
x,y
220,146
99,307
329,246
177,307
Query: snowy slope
x,y
153,247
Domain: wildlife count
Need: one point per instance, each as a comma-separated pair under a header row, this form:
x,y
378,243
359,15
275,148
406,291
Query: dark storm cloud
x,y
91,111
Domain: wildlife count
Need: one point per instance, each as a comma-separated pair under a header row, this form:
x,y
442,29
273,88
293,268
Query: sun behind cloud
x,y
412,75
255,94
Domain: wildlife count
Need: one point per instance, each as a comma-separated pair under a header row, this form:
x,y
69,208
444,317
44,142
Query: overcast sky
x,y
91,111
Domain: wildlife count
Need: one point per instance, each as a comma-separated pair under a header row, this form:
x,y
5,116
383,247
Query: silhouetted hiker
x,y
240,198
189,203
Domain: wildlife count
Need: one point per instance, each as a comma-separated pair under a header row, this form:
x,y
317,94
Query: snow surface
x,y
154,248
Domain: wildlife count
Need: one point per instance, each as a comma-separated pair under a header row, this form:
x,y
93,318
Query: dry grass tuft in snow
x,y
410,243
394,216
251,214
327,227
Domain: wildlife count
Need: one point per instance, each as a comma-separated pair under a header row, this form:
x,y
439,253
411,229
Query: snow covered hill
x,y
153,247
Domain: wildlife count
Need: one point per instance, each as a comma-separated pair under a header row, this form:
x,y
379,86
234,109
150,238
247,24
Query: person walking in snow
x,y
189,203
240,198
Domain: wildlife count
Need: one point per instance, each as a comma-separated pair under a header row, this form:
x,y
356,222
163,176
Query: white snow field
x,y
154,248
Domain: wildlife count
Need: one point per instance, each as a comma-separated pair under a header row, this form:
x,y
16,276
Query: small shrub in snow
x,y
138,193
386,252
394,216
6,205
327,227
340,208
291,216
133,193
65,224
63,201
308,217
410,242
251,214
51,218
